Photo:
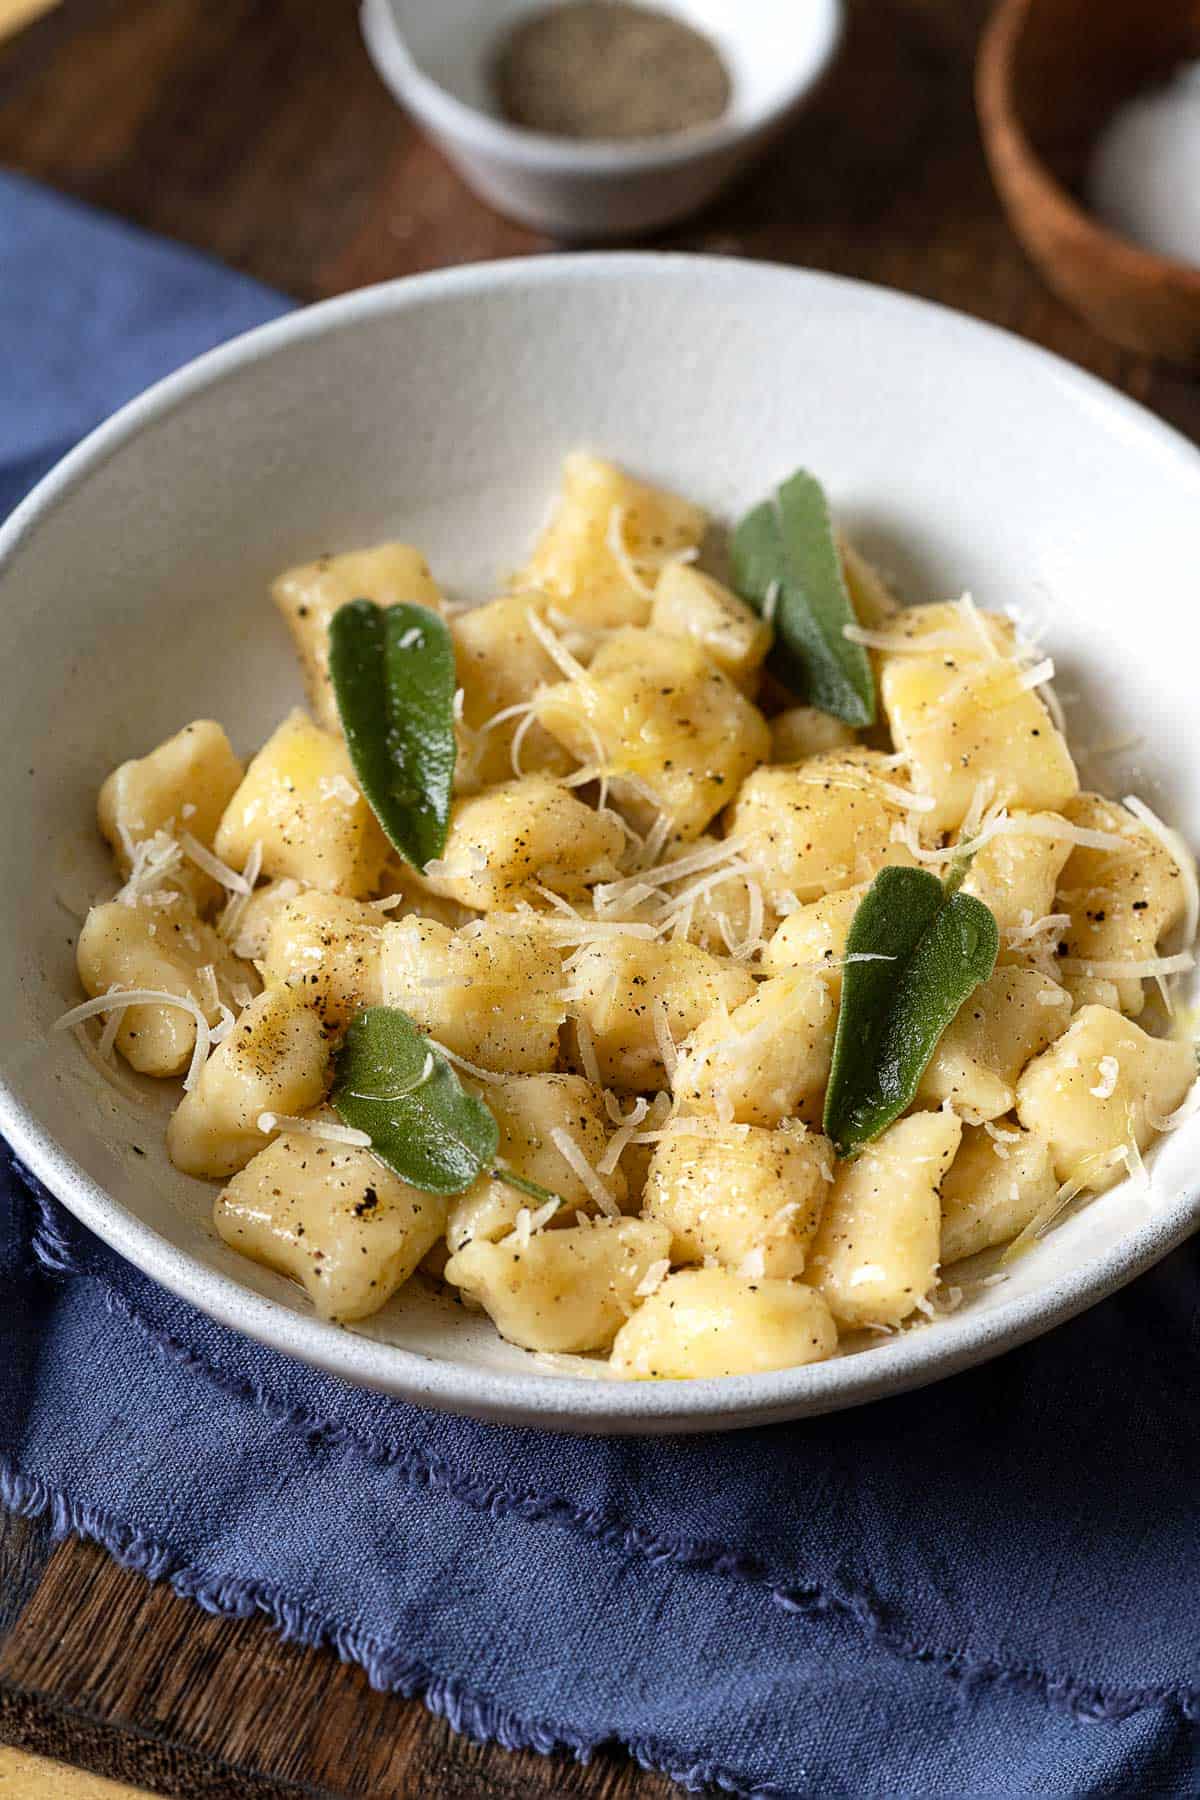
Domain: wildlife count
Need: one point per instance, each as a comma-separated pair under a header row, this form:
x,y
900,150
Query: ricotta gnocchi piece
x,y
638,960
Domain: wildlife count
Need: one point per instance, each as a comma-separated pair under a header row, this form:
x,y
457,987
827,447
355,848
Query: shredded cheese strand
x,y
327,1129
1116,970
1038,676
555,649
587,1052
460,1062
663,1038
572,1154
978,625
212,865
728,850
622,1136
146,997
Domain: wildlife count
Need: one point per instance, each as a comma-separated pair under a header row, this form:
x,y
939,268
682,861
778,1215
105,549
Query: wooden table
x,y
257,130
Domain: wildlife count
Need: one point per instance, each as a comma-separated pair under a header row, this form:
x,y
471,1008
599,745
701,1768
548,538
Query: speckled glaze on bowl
x,y
132,598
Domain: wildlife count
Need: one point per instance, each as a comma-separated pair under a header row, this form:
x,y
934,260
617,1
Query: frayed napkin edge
x,y
54,1254
386,1669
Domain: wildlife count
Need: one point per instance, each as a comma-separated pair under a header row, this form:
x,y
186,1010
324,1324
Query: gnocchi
x,y
815,827
626,962
672,731
520,837
1095,1094
274,1061
875,1255
705,1322
334,1218
308,596
537,1114
565,1291
750,1199
299,801
182,786
607,540
163,947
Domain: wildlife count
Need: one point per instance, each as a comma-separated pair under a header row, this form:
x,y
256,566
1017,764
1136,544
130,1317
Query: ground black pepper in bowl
x,y
607,69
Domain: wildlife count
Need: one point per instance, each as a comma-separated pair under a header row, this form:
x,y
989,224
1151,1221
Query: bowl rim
x,y
1008,150
565,1402
485,134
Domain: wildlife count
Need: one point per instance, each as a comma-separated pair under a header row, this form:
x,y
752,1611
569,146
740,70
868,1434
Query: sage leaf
x,y
914,953
786,548
390,1082
393,677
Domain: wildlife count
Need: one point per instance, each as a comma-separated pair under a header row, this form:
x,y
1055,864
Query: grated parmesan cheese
x,y
460,1062
572,1154
653,1279
614,540
103,1003
212,865
623,1136
1038,676
541,1215
978,625
518,743
206,977
328,1129
1053,706
1108,1069
555,649
112,1025
613,893
516,711
338,787
587,1052
1116,970
656,841
1053,1209
663,1038
225,1024
151,862
1031,825
1049,925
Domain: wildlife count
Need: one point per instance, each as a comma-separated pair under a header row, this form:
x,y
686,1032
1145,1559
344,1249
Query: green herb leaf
x,y
786,546
391,1083
393,675
929,950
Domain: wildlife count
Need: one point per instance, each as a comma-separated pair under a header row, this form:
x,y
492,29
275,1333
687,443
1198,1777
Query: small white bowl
x,y
133,597
435,57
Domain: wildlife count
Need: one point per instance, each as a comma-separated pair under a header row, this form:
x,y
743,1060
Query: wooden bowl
x,y
1048,76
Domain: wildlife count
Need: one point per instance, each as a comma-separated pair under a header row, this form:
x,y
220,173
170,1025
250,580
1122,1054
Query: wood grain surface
x,y
256,130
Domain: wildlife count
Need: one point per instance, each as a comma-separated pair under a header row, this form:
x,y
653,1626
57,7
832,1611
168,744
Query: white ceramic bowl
x,y
435,56
133,598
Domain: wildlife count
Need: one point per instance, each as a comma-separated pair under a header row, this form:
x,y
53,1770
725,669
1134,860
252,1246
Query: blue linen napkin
x,y
986,1588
